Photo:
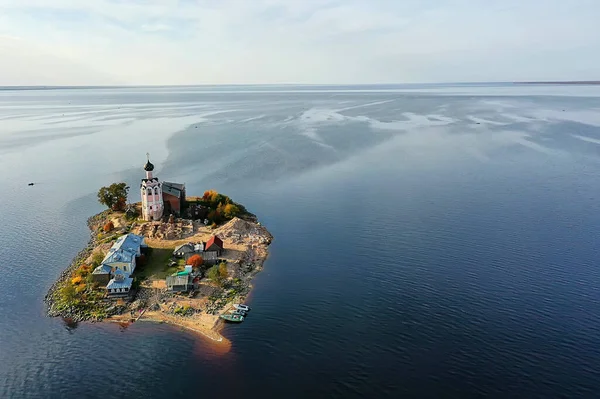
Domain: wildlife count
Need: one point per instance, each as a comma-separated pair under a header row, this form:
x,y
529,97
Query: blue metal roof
x,y
119,255
129,241
126,283
124,249
102,269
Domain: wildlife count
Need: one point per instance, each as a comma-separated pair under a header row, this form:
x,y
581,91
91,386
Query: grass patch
x,y
157,264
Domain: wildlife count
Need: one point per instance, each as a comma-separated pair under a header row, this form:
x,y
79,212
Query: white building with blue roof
x,y
119,285
123,253
119,263
101,274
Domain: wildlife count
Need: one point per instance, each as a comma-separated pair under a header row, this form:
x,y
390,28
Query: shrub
x,y
76,280
80,288
195,260
213,273
184,310
97,259
223,270
230,211
108,226
67,293
214,216
218,273
83,271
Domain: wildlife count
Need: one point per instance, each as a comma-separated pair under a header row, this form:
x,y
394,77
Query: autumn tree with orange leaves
x,y
195,260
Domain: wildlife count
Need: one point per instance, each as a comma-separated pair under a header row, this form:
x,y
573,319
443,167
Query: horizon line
x,y
111,86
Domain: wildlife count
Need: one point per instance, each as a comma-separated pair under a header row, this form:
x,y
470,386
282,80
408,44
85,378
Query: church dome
x,y
148,167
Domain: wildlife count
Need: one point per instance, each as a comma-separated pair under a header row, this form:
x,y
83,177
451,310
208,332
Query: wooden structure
x,y
214,244
179,283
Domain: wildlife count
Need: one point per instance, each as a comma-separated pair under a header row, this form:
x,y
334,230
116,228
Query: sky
x,y
181,42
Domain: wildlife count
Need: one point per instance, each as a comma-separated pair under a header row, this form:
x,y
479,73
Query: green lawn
x,y
157,265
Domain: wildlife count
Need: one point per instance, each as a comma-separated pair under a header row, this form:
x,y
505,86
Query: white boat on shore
x,y
242,307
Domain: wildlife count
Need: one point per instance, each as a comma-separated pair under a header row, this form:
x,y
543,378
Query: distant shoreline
x,y
296,85
567,82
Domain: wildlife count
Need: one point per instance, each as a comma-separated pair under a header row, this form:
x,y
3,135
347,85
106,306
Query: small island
x,y
169,258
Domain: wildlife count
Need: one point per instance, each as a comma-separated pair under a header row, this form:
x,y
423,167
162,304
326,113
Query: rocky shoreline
x,y
50,301
246,242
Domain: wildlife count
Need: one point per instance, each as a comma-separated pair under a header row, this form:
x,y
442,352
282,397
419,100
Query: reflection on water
x,y
70,324
433,242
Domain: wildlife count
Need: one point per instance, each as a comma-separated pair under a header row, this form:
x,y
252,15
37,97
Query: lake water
x,y
431,241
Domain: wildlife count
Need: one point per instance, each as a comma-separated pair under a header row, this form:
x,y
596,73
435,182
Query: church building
x,y
160,198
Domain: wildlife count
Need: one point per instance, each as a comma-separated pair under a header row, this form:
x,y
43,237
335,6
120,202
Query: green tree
x,y
223,271
218,273
214,216
114,196
230,211
209,195
213,273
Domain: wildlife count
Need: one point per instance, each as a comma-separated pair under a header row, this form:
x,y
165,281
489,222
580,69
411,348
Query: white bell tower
x,y
151,191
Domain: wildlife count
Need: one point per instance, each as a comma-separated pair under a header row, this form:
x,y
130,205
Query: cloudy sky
x,y
95,42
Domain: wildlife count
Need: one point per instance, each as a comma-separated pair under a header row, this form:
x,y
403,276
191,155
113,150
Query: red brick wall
x,y
173,201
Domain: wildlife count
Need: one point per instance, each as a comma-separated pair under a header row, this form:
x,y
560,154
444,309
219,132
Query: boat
x,y
239,312
242,307
234,318
30,184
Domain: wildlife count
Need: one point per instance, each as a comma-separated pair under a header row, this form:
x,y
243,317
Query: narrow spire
x,y
148,156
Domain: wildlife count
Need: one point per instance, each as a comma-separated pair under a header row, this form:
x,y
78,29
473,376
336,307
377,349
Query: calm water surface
x,y
429,241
